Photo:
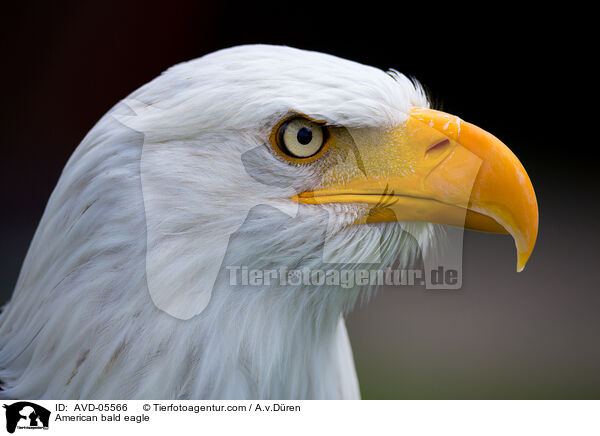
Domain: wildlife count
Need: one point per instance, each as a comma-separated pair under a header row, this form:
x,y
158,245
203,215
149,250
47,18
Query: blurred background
x,y
512,72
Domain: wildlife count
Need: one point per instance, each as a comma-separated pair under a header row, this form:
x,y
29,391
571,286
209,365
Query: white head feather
x,y
82,323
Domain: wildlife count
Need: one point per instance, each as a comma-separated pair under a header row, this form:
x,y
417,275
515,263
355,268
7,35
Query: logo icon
x,y
26,415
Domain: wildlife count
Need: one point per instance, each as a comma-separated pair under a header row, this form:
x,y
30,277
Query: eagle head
x,y
253,158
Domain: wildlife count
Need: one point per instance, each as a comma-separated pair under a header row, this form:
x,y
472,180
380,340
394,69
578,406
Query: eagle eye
x,y
300,138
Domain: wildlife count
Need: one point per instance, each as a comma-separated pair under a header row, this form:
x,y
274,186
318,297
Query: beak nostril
x,y
438,146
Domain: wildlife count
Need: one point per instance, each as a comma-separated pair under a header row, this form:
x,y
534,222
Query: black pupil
x,y
304,135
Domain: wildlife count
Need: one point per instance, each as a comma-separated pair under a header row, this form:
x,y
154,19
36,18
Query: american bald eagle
x,y
241,158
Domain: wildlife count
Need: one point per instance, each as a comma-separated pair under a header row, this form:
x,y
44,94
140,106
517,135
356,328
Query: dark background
x,y
513,72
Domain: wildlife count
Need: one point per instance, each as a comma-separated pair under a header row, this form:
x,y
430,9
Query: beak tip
x,y
522,258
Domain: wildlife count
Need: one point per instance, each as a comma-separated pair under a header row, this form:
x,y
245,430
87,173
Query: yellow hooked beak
x,y
437,168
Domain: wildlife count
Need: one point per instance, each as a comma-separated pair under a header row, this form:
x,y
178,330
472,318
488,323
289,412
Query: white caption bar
x,y
301,417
